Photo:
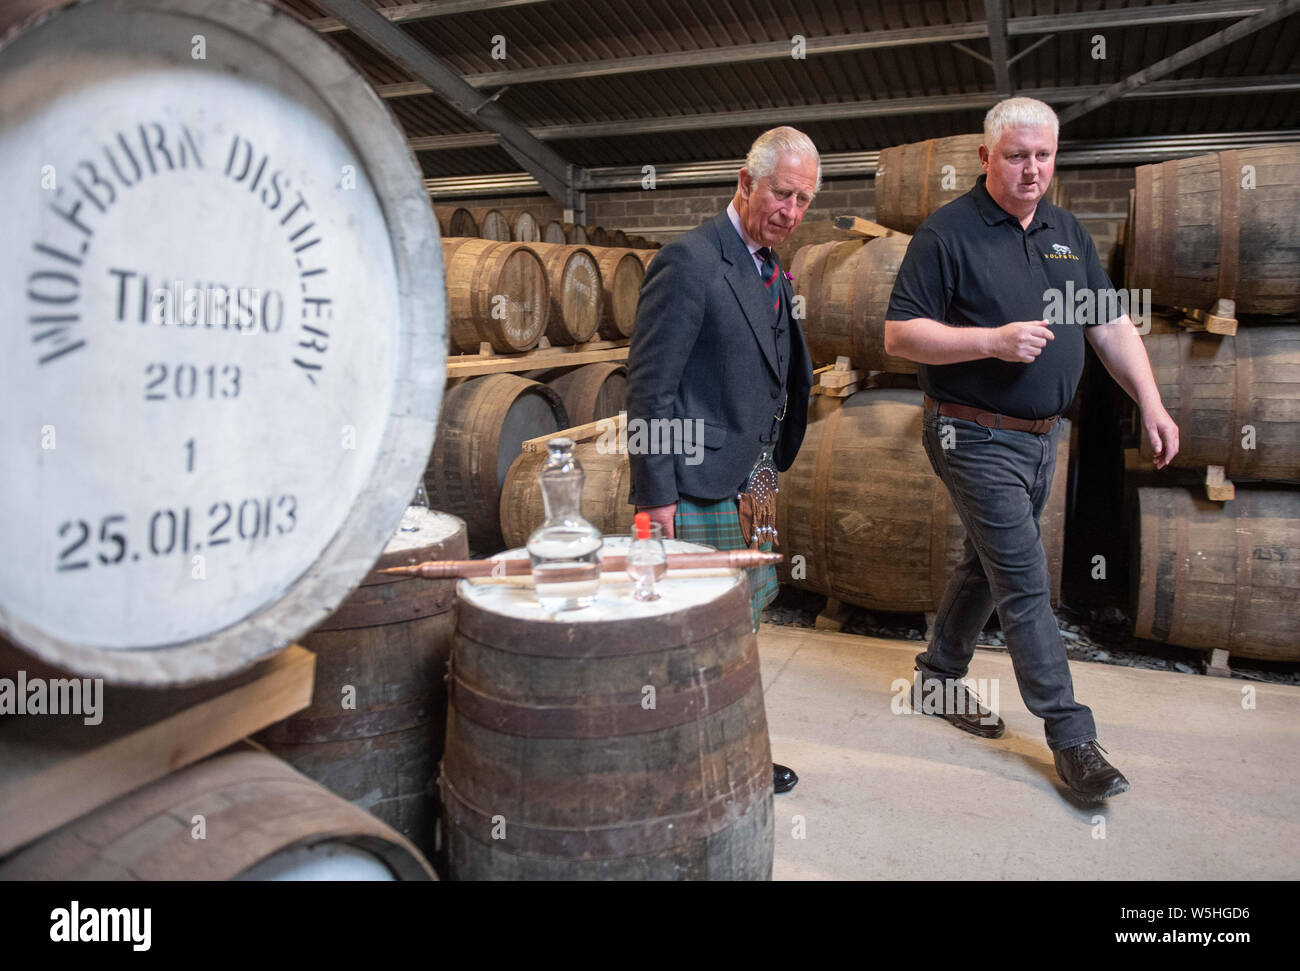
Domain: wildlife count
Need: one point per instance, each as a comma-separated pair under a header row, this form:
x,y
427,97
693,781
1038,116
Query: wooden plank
x,y
54,768
833,617
864,227
1217,665
471,365
578,433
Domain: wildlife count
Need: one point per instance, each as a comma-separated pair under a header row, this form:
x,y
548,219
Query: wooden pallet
x,y
488,361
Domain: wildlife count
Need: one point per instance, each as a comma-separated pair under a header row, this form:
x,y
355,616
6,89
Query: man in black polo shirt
x,y
985,302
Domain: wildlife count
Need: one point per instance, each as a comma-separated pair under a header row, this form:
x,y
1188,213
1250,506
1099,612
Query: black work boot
x,y
1088,774
953,702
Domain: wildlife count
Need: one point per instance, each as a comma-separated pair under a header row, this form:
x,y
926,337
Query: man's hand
x,y
663,515
1162,432
1020,341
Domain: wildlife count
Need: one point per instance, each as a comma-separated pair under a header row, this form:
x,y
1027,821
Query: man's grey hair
x,y
1018,113
775,142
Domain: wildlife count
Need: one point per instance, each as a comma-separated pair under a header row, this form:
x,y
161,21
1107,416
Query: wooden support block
x,y
863,227
843,392
54,768
1217,665
842,363
930,617
833,617
1209,322
822,369
838,379
1217,486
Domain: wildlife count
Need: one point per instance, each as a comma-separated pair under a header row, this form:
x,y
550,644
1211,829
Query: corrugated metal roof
x,y
545,34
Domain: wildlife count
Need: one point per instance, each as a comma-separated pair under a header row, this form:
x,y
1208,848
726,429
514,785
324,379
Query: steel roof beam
x,y
553,172
860,109
846,43
1216,41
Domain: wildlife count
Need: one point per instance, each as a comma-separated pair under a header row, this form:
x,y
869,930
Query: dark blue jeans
x,y
999,481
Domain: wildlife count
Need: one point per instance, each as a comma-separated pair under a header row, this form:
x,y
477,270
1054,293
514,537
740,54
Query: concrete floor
x,y
1215,787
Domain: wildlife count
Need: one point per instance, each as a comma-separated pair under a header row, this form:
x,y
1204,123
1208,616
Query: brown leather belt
x,y
990,419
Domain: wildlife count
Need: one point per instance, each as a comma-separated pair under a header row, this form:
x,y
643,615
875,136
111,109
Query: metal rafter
x,y
1216,41
995,13
553,172
411,12
859,109
846,43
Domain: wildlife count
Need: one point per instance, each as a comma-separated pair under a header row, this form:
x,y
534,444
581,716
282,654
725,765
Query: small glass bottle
x,y
565,550
646,560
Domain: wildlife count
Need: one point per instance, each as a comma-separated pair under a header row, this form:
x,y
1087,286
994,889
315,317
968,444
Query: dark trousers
x,y
999,481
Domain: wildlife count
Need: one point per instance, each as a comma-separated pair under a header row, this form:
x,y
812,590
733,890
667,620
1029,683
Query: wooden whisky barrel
x,y
553,232
484,422
915,180
597,236
1236,400
618,238
646,256
1220,575
846,289
621,273
524,227
557,768
592,391
228,416
604,493
874,523
456,221
577,295
260,819
496,292
809,233
574,233
384,650
1199,235
492,223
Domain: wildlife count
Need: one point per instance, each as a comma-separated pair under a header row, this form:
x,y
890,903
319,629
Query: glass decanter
x,y
565,550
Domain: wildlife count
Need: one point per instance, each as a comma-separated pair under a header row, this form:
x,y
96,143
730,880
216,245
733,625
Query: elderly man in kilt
x,y
718,354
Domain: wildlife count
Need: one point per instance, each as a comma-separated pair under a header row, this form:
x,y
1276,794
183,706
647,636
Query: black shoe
x,y
959,707
1090,776
783,778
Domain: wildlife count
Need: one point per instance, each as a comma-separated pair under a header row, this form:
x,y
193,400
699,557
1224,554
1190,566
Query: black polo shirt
x,y
972,265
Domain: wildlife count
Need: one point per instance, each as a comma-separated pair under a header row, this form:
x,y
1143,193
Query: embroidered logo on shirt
x,y
1060,252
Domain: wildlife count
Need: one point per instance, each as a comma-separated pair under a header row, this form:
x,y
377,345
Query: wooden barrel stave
x,y
1220,575
591,784
389,642
478,272
846,286
1228,393
593,391
576,292
456,221
254,807
912,182
1199,236
621,273
484,422
889,539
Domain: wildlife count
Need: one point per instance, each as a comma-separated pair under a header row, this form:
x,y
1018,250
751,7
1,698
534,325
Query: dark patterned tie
x,y
769,272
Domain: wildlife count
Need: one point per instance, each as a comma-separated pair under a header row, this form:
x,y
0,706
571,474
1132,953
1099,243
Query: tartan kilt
x,y
717,524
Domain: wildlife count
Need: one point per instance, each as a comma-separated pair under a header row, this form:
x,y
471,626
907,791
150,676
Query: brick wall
x,y
1098,196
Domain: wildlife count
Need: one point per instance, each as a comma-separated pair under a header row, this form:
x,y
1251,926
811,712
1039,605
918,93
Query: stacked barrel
x,y
525,226
1213,244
